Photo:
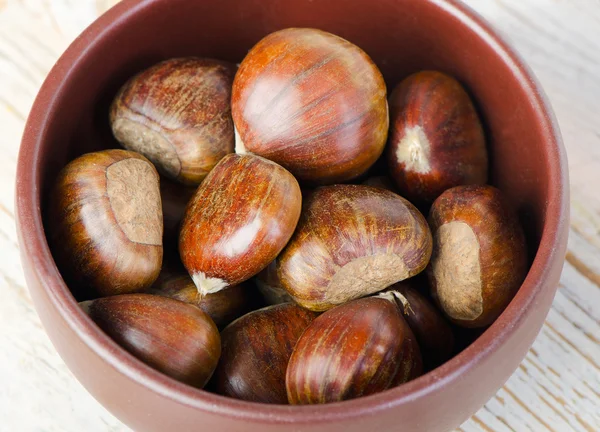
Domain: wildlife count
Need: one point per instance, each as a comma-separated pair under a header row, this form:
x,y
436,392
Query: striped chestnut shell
x,y
353,350
177,113
436,138
352,241
479,256
238,221
313,102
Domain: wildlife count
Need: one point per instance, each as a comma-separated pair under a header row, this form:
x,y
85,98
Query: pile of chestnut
x,y
266,196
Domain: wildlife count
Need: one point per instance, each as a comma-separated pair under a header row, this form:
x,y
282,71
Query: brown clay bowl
x,y
70,117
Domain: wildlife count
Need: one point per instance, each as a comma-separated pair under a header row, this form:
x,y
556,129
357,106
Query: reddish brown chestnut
x,y
223,306
352,241
269,285
433,332
173,337
356,349
312,102
105,223
240,218
256,351
479,256
436,139
178,114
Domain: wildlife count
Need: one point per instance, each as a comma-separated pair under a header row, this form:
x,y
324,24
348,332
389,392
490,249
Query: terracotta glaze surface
x,y
528,163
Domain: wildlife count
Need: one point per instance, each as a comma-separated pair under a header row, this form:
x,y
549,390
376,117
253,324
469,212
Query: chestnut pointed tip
x,y
208,285
85,306
240,148
395,297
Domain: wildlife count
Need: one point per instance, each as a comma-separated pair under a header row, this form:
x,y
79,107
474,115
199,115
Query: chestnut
x,y
312,102
433,332
351,241
269,285
222,306
174,197
173,337
356,349
178,114
256,351
479,255
436,139
105,223
382,182
238,221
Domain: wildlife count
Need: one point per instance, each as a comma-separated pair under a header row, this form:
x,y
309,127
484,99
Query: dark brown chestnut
x,y
238,221
436,138
223,306
173,337
256,351
269,285
105,223
312,102
433,332
178,114
352,241
356,349
174,197
383,182
479,256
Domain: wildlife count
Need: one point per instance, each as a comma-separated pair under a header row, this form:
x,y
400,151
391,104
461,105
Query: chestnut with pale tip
x,y
269,285
479,256
178,114
256,351
105,223
352,241
223,306
436,138
433,332
238,221
313,102
353,350
173,337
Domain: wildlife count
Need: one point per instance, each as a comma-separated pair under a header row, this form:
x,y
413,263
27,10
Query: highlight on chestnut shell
x,y
436,139
177,113
256,351
312,102
356,349
173,337
352,241
479,256
105,223
238,221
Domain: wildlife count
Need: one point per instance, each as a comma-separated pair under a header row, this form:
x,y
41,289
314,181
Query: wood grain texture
x,y
556,388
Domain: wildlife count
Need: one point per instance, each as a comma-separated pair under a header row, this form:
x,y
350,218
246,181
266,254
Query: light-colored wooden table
x,y
556,388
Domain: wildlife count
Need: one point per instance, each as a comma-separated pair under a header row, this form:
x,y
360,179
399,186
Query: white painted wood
x,y
556,388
